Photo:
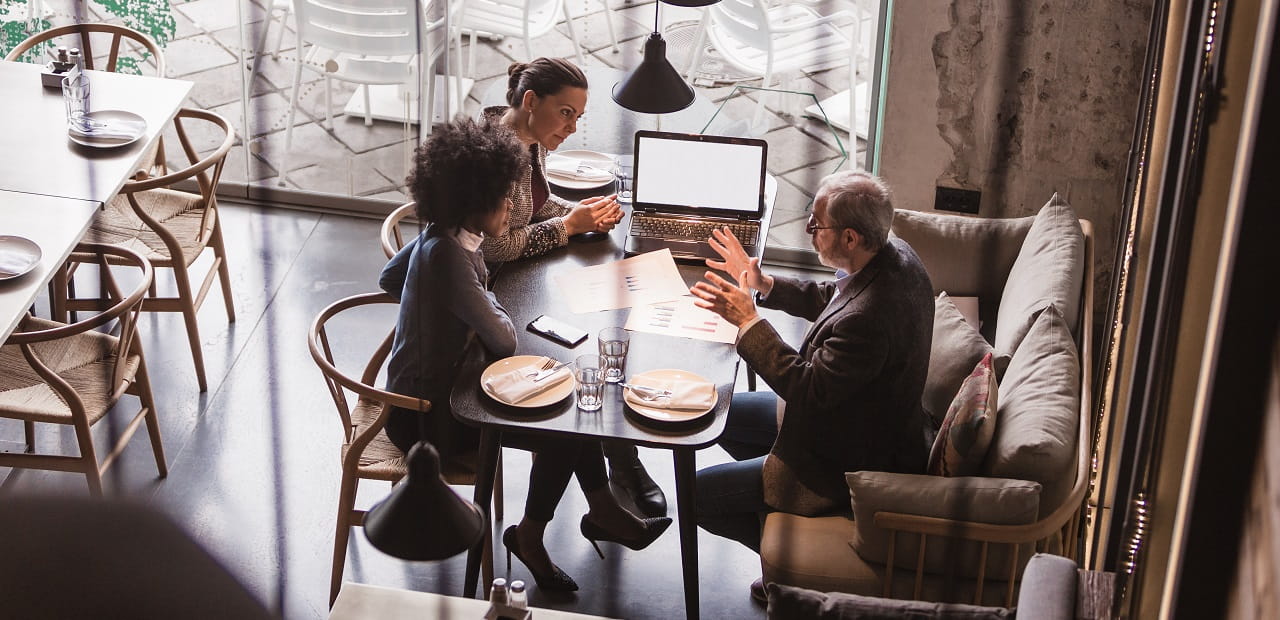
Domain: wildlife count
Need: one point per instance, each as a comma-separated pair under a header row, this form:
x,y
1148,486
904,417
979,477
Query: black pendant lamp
x,y
655,87
423,519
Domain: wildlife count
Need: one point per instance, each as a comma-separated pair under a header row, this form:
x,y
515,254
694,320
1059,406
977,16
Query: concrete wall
x,y
1016,99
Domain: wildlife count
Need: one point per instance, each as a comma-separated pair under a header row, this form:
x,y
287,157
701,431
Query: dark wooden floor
x,y
254,461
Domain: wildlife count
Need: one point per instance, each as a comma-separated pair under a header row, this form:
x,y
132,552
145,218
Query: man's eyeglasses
x,y
812,226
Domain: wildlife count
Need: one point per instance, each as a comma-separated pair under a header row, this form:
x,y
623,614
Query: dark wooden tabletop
x,y
528,290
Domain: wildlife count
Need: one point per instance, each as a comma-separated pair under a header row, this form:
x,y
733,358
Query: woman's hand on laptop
x,y
736,262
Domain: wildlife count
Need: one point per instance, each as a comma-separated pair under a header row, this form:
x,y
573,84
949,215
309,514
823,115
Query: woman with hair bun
x,y
545,99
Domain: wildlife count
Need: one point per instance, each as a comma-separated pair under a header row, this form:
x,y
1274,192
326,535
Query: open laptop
x,y
685,185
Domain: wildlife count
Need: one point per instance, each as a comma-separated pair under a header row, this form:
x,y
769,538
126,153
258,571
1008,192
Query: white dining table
x,y
55,224
51,187
39,156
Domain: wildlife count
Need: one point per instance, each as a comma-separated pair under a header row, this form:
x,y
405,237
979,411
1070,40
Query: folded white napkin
x,y
13,263
688,395
517,385
575,169
121,130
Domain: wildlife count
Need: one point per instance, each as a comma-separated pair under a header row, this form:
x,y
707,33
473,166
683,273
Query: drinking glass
x,y
614,342
588,370
75,93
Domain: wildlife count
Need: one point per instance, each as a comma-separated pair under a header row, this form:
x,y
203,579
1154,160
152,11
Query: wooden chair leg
x,y
142,384
224,275
193,325
59,292
346,502
88,458
29,429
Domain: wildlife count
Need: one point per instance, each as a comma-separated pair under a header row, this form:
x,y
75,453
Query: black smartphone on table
x,y
558,331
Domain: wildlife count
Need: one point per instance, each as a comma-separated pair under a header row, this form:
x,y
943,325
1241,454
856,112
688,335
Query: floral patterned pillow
x,y
970,423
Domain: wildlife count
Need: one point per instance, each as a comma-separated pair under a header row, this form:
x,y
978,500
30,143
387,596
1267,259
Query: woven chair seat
x,y
383,460
181,213
85,361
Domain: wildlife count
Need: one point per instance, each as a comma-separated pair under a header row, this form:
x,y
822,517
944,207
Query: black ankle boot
x,y
628,473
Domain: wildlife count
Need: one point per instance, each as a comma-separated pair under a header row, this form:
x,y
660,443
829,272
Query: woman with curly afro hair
x,y
461,178
545,99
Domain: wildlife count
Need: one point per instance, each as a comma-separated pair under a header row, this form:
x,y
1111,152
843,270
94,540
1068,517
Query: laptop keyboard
x,y
672,228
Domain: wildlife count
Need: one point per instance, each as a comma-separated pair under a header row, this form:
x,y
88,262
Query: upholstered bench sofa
x,y
968,538
1048,591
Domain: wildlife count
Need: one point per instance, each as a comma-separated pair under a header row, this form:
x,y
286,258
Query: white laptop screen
x,y
691,174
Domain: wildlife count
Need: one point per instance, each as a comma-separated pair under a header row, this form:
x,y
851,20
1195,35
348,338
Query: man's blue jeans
x,y
730,496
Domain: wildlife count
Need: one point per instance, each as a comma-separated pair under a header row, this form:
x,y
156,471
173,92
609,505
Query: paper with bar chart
x,y
634,281
681,318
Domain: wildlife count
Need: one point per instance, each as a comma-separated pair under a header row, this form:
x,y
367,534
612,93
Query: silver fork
x,y
548,372
546,365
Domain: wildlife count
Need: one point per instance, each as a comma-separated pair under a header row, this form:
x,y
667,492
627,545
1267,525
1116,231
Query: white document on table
x,y
681,318
634,281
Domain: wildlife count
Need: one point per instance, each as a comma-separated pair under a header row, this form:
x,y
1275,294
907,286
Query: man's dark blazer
x,y
853,389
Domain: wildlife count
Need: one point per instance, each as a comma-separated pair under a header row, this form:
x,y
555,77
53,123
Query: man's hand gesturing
x,y
736,263
733,302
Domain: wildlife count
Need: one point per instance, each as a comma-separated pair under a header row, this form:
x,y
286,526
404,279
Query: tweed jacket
x,y
852,390
528,233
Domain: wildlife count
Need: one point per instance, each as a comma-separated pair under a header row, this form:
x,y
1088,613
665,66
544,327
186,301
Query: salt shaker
x,y
517,596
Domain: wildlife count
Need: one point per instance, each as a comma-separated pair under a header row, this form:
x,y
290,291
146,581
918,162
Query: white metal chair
x,y
277,8
370,42
526,19
755,38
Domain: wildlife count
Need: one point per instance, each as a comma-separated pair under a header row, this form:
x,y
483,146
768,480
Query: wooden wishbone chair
x,y
367,453
171,228
54,373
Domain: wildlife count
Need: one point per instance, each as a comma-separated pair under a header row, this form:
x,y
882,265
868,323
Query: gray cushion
x,y
791,603
965,256
956,349
1049,270
1039,412
983,499
1048,590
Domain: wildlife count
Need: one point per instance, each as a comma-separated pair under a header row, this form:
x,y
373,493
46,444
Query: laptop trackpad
x,y
687,250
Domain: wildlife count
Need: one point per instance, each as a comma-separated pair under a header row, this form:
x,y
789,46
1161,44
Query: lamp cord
x,y
657,4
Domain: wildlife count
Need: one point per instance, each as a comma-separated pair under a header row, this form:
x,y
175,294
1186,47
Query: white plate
x,y
668,415
108,116
551,396
598,160
20,253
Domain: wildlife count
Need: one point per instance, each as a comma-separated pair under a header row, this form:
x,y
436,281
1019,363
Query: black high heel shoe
x,y
557,581
653,528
